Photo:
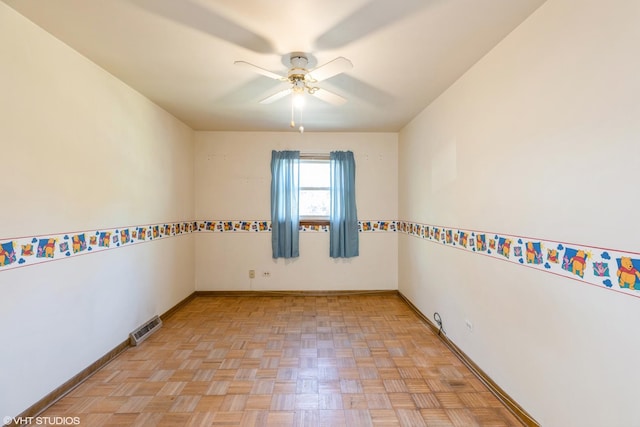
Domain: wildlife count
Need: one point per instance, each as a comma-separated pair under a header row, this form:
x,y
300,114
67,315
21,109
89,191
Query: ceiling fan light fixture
x,y
298,86
298,100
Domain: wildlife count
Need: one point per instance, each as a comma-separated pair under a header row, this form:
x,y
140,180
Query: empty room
x,y
337,213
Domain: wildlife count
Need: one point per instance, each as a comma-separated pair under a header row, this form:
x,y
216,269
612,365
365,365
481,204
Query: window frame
x,y
309,158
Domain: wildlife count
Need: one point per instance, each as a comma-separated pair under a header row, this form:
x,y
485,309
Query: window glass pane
x,y
314,174
314,203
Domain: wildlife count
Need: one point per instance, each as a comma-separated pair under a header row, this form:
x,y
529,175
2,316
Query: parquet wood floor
x,y
349,360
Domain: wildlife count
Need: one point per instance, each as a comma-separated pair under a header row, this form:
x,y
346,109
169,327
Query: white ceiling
x,y
181,53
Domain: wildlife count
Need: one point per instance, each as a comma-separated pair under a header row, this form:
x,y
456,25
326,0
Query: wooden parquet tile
x,y
351,360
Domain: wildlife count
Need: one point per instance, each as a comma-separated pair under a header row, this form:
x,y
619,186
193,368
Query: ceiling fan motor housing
x,y
298,69
299,61
298,74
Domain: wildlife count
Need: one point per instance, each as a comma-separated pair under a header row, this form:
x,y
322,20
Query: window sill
x,y
305,222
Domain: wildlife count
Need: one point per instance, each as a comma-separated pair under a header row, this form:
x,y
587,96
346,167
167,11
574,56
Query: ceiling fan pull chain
x,y
301,128
293,123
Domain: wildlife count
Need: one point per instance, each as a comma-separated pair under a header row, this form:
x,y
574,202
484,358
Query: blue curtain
x,y
343,217
285,219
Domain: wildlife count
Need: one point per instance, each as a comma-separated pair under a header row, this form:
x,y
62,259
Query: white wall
x,y
79,150
233,180
540,138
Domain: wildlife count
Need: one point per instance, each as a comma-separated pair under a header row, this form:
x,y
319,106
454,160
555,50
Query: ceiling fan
x,y
302,79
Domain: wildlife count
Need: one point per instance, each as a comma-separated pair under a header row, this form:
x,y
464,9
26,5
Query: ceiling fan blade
x,y
330,69
329,97
196,16
276,96
260,70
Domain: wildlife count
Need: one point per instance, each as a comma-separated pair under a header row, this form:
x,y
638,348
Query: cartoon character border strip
x,y
606,268
24,251
226,226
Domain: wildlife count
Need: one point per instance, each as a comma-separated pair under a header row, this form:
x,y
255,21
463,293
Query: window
x,y
313,190
315,183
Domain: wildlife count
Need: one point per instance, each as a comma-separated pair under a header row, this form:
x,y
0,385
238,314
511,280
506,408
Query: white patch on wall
x,y
444,166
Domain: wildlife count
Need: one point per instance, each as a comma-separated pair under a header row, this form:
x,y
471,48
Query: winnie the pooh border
x,y
265,226
25,251
605,268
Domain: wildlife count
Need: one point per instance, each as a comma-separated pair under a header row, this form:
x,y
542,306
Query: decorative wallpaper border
x,y
25,251
605,268
265,226
32,250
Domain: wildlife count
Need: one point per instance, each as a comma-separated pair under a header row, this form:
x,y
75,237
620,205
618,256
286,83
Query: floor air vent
x,y
143,332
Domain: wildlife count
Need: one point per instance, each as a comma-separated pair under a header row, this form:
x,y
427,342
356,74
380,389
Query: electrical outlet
x,y
469,324
266,274
252,274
